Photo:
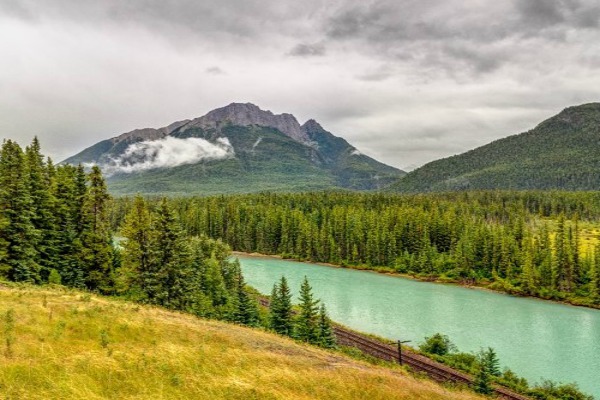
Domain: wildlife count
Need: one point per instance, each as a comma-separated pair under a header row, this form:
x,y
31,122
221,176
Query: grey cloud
x,y
308,50
454,37
215,71
557,13
238,19
542,13
381,73
15,8
405,81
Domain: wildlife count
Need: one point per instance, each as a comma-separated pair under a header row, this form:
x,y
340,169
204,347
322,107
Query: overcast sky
x,y
405,81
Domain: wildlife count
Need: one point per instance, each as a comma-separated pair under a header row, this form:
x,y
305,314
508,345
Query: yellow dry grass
x,y
68,345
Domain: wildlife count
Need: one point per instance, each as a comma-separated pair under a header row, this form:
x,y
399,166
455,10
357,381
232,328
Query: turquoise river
x,y
535,338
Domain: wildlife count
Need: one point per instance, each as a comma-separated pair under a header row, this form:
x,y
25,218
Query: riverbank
x,y
390,272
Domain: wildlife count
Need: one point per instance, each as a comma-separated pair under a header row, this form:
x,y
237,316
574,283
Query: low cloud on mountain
x,y
168,152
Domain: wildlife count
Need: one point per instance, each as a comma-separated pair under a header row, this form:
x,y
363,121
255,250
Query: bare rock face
x,y
150,133
248,114
241,114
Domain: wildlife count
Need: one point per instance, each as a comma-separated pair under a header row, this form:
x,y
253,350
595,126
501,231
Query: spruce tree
x,y
173,257
307,322
246,310
488,368
281,317
483,383
16,213
491,361
139,263
96,237
326,335
528,270
67,239
560,265
213,286
42,216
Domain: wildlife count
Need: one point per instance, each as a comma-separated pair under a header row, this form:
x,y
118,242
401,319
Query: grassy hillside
x,y
560,153
68,345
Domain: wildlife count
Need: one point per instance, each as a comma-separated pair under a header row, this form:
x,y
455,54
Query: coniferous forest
x,y
542,244
58,224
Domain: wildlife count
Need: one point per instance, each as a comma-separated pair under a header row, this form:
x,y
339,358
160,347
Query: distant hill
x,y
72,345
562,152
235,149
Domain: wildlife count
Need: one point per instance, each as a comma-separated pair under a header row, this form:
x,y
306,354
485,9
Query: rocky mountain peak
x,y
312,126
246,114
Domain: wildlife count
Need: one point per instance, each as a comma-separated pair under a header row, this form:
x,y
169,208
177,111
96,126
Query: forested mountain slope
x,y
235,149
562,152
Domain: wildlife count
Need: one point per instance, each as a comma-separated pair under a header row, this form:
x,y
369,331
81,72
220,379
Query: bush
x,y
437,344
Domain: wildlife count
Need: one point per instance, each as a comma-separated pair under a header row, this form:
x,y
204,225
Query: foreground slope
x,y
65,344
562,152
235,149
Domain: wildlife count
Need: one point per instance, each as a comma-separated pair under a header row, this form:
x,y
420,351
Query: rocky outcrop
x,y
247,114
150,133
241,114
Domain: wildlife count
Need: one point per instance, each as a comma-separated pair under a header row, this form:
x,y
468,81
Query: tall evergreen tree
x,y
281,317
66,211
17,210
246,310
139,263
42,217
96,237
307,322
560,267
326,335
488,367
173,258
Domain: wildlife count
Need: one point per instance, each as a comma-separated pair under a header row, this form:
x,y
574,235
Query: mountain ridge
x,y
561,152
238,148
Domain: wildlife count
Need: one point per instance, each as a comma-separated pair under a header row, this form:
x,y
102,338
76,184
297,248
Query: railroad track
x,y
437,371
384,351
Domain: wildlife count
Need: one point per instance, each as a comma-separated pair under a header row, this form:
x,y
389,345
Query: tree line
x,y
521,242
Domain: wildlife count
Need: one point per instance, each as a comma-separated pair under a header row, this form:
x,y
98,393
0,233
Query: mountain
x,y
65,344
235,149
562,152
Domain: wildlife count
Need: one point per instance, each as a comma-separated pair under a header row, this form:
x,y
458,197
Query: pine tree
x,y
173,258
139,265
16,213
246,310
96,237
528,270
307,321
491,361
560,266
483,383
42,216
66,211
281,318
213,286
326,336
